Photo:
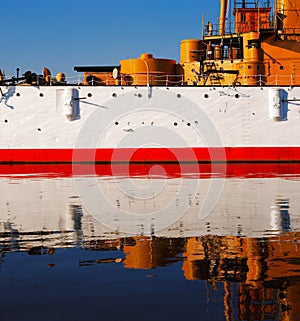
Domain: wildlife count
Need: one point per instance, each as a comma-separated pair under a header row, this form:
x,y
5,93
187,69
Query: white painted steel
x,y
32,117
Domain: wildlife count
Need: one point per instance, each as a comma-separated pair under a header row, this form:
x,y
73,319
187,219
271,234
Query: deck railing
x,y
178,80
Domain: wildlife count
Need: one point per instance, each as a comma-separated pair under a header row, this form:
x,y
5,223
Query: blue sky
x,y
61,34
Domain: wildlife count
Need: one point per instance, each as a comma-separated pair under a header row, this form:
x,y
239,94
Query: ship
x,y
232,97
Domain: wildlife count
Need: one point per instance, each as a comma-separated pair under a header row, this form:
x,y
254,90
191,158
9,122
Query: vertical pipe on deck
x,y
223,10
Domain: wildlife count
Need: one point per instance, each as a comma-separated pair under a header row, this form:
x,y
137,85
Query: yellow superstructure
x,y
261,47
262,50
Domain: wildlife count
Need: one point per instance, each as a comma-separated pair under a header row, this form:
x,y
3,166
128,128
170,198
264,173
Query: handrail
x,y
273,80
152,79
231,27
178,80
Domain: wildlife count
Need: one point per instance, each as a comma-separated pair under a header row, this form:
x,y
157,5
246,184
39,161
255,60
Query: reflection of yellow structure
x,y
146,252
259,277
140,255
266,270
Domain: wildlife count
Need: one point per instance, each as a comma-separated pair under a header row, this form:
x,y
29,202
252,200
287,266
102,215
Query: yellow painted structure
x,y
257,54
192,50
223,11
148,70
258,50
288,17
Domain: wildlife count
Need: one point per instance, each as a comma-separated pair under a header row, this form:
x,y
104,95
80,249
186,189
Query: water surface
x,y
142,245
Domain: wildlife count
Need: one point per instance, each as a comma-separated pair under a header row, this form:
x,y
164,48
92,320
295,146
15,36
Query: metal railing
x,y
232,27
273,80
152,79
178,80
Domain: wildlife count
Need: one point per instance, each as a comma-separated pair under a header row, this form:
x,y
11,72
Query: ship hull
x,y
86,124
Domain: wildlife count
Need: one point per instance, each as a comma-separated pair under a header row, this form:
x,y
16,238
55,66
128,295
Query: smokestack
x,y
223,11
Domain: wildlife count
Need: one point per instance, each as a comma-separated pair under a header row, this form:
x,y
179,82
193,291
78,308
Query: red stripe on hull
x,y
151,155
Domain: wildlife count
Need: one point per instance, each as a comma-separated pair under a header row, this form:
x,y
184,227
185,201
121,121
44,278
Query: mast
x,y
223,11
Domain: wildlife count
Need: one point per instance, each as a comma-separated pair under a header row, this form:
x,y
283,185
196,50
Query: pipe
x,y
223,10
148,76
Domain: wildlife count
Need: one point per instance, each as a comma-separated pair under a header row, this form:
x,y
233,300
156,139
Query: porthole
x,y
237,96
39,129
6,121
140,95
41,95
18,94
114,95
116,123
178,96
206,96
175,124
89,95
281,67
188,124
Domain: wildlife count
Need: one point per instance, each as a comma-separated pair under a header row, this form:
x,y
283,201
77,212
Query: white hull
x,y
155,117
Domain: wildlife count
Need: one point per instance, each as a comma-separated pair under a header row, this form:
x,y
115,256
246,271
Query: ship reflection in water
x,y
81,244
